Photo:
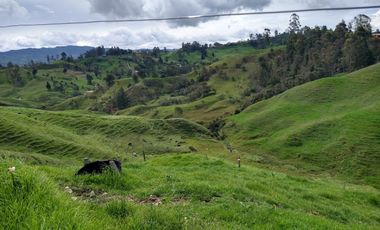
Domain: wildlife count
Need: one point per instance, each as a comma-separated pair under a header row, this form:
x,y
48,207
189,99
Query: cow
x,y
98,167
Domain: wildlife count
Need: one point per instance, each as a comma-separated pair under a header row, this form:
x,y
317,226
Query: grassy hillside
x,y
188,180
229,78
310,156
33,92
330,125
180,191
76,135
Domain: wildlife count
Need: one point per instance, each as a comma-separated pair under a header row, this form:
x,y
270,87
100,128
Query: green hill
x,y
309,156
329,125
166,83
76,135
179,188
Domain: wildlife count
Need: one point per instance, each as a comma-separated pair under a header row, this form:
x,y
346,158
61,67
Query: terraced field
x,y
76,135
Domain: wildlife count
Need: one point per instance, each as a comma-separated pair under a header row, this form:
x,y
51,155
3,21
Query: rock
x,y
192,149
68,190
74,198
92,194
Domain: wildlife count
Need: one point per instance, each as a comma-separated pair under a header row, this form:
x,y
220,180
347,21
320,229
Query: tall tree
x,y
121,99
362,25
89,79
48,86
294,23
267,34
356,53
63,56
110,80
14,76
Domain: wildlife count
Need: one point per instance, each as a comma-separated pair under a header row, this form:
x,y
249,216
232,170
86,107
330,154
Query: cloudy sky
x,y
163,34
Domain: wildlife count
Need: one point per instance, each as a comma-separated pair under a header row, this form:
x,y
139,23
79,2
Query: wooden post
x,y
144,155
238,161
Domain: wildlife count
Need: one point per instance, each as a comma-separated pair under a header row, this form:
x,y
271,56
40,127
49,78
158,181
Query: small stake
x,y
238,161
144,155
86,161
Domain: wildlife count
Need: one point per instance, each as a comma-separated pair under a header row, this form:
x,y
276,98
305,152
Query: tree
x,y
203,51
100,51
135,77
34,71
156,52
14,76
89,79
267,34
63,56
341,30
178,111
294,24
356,53
362,25
48,86
121,99
70,58
110,80
97,70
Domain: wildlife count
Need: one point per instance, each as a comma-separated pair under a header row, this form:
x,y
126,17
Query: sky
x,y
163,34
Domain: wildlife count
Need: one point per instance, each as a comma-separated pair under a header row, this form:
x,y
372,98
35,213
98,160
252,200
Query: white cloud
x,y
11,10
171,8
376,20
45,9
149,34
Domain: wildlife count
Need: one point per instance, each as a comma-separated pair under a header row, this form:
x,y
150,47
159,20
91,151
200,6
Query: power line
x,y
188,17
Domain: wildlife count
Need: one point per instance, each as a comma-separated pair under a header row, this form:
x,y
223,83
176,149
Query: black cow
x,y
98,167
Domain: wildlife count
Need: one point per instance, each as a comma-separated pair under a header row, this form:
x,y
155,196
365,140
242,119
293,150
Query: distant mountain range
x,y
24,56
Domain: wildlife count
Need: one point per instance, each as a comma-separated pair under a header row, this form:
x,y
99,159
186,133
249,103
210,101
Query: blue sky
x,y
147,35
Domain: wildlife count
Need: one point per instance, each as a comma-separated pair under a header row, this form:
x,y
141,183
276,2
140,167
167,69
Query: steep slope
x,y
330,125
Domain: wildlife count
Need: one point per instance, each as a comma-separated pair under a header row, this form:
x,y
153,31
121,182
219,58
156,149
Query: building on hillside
x,y
376,34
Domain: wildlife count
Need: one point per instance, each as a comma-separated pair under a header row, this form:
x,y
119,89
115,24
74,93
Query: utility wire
x,y
188,17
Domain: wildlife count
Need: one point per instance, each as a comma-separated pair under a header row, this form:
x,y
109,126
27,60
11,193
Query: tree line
x,y
312,53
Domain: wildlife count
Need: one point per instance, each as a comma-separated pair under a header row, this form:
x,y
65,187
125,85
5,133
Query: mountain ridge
x,y
24,56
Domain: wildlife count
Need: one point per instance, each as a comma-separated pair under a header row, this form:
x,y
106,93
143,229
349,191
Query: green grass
x,y
195,192
330,125
202,111
310,156
78,135
34,94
